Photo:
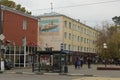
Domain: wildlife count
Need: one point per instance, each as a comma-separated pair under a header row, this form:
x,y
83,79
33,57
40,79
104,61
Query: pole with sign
x,y
62,47
2,53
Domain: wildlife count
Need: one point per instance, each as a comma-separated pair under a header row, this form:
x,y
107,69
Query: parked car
x,y
8,64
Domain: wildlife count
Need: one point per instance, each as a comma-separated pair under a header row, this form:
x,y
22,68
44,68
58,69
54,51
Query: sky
x,y
90,12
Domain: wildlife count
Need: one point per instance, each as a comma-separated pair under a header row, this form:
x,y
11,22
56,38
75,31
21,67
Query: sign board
x,y
2,37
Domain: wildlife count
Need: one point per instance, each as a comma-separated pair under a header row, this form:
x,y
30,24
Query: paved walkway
x,y
93,71
97,78
84,72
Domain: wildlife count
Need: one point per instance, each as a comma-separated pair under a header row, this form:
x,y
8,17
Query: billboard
x,y
49,25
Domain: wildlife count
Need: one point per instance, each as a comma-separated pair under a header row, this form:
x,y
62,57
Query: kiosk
x,y
50,61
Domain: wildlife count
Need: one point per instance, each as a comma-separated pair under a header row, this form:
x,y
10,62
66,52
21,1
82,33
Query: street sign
x,y
2,37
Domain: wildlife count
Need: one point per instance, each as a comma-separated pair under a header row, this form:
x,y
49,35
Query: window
x,y
84,40
65,34
24,41
78,38
81,49
24,24
81,29
87,49
64,46
84,30
73,26
65,23
69,47
70,36
73,37
84,49
78,48
81,39
87,40
70,25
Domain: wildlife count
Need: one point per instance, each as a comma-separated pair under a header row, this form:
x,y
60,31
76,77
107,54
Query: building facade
x,y
76,37
21,32
18,27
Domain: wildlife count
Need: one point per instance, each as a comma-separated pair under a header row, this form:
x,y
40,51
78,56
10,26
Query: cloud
x,y
91,13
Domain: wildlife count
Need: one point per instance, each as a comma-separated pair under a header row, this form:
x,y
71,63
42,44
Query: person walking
x,y
89,62
81,59
75,64
78,63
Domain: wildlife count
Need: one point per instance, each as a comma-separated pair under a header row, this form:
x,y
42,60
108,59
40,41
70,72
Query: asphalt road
x,y
50,77
34,77
74,74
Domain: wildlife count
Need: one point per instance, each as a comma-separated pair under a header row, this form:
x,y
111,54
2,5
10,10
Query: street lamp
x,y
1,41
61,47
0,20
105,47
1,30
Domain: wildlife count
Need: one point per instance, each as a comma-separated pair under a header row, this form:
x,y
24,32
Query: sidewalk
x,y
84,71
94,72
97,78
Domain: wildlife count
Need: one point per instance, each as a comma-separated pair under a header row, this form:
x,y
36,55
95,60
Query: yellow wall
x,y
87,33
54,39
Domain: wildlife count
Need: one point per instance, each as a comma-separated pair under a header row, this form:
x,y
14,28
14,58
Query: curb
x,y
86,75
42,73
51,73
32,73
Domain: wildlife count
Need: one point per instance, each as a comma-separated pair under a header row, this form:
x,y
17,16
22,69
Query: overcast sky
x,y
91,12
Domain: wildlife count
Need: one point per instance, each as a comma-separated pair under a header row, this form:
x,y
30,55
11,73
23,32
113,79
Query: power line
x,y
51,7
95,3
90,4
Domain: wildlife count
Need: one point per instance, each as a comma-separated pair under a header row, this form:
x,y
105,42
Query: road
x,y
50,77
74,74
34,77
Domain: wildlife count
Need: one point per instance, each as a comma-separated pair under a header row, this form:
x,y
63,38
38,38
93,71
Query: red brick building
x,y
19,28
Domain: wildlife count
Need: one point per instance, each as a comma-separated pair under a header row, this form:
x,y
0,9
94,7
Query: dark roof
x,y
17,12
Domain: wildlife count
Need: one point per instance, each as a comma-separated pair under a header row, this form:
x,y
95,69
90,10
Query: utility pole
x,y
51,7
0,27
1,38
0,20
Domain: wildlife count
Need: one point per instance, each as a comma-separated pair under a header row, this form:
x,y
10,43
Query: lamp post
x,y
0,25
105,47
62,47
0,20
1,41
1,30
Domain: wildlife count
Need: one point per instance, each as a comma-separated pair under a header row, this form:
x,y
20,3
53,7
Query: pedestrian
x,y
75,64
81,62
78,63
89,62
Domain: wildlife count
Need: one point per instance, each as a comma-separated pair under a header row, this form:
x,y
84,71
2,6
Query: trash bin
x,y
65,69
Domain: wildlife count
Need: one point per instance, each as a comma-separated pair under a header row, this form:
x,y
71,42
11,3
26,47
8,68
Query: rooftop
x,y
57,14
17,12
